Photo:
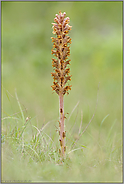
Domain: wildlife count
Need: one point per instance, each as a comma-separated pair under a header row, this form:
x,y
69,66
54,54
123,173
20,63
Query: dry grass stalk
x,y
61,51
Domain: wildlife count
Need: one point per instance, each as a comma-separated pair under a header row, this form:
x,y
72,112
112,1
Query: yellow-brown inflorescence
x,y
61,50
61,74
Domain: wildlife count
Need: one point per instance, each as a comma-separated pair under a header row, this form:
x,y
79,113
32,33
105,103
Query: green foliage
x,y
30,146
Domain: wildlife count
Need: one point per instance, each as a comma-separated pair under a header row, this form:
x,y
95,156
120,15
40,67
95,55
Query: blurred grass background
x,y
96,56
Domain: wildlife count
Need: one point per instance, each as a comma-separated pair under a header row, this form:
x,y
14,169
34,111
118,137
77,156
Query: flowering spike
x,y
61,50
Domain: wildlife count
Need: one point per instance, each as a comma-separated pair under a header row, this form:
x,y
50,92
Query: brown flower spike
x,y
60,64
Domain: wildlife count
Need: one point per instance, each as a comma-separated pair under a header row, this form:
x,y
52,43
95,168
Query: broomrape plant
x,y
60,64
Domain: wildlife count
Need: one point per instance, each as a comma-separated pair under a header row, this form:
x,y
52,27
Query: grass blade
x,y
23,118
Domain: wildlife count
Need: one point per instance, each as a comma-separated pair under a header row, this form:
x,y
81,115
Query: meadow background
x,y
96,56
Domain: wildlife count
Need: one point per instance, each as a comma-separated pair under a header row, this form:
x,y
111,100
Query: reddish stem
x,y
62,132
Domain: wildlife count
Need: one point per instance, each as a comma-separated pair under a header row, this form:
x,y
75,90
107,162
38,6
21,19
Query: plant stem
x,y
62,132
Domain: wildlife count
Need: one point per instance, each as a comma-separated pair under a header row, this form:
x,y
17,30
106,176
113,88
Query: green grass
x,y
30,148
31,154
